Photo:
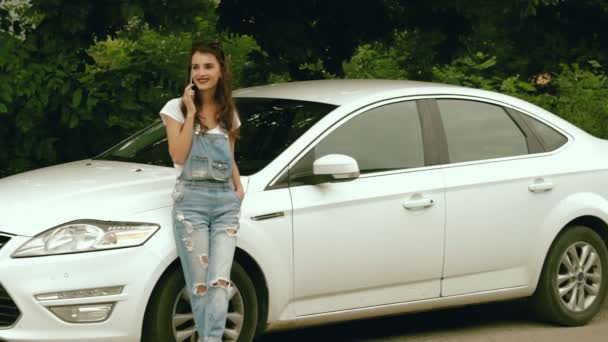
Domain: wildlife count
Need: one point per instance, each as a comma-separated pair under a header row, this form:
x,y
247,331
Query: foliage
x,y
474,71
84,75
574,93
582,94
408,55
293,33
77,76
577,94
371,61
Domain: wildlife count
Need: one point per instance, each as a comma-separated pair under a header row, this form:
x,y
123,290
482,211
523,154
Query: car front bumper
x,y
23,278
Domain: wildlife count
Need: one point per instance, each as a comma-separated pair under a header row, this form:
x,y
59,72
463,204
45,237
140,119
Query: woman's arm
x,y
180,134
180,138
236,174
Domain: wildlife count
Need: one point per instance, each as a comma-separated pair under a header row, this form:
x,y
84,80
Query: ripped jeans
x,y
206,222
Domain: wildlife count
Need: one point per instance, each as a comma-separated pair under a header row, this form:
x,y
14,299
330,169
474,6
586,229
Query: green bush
x,y
76,76
57,107
576,94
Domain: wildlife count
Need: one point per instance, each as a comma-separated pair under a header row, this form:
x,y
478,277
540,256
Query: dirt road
x,y
497,322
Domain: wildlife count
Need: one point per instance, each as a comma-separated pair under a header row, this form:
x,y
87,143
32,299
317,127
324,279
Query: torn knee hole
x,y
189,244
199,289
232,231
221,283
188,225
204,260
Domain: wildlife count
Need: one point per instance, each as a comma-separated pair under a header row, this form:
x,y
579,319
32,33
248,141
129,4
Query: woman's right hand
x,y
188,99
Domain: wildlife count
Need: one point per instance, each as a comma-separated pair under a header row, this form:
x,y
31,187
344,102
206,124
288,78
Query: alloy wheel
x,y
184,328
579,277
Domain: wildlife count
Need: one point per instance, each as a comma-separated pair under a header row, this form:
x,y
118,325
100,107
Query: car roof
x,y
336,92
354,93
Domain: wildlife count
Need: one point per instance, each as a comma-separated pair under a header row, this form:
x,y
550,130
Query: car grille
x,y
3,240
9,313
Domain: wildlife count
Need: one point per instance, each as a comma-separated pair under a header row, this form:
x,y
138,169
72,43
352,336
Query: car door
x,y
498,192
377,239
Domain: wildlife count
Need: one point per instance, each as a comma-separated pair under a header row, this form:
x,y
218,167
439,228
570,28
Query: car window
x,y
148,146
384,138
269,126
476,131
551,139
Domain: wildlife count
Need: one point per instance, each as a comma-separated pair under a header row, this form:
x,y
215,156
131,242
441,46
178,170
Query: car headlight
x,y
87,236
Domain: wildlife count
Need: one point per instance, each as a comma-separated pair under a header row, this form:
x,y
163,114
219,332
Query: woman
x,y
201,128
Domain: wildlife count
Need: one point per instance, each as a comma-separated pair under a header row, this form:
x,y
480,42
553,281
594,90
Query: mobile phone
x,y
193,86
198,99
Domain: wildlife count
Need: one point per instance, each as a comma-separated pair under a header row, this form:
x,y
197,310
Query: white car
x,y
363,198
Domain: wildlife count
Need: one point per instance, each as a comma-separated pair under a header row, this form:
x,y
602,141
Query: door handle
x,y
418,203
268,216
541,187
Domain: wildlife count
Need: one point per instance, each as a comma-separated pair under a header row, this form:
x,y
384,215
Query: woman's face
x,y
206,71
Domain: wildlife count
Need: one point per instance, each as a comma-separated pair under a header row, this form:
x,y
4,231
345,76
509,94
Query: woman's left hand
x,y
240,193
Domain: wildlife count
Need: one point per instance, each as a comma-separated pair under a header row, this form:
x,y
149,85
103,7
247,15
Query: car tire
x,y
168,301
573,281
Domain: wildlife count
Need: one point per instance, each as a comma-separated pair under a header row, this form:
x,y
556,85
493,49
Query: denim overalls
x,y
206,214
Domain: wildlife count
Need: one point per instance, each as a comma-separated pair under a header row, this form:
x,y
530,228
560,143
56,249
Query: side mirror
x,y
337,166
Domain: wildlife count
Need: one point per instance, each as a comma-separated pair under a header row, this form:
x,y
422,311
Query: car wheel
x,y
169,315
573,281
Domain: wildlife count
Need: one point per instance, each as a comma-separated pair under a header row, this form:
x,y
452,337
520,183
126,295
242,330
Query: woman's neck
x,y
207,116
208,97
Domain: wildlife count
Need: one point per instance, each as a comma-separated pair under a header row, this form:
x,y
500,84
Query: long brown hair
x,y
223,90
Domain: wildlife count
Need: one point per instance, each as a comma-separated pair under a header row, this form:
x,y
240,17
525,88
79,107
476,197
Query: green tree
x,y
305,32
75,76
52,93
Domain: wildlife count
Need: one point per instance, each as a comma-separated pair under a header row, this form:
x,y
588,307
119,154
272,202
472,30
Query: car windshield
x,y
269,126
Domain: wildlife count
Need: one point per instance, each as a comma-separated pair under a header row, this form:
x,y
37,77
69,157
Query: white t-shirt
x,y
172,110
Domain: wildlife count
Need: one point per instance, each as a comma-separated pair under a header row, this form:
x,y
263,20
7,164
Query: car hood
x,y
37,200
